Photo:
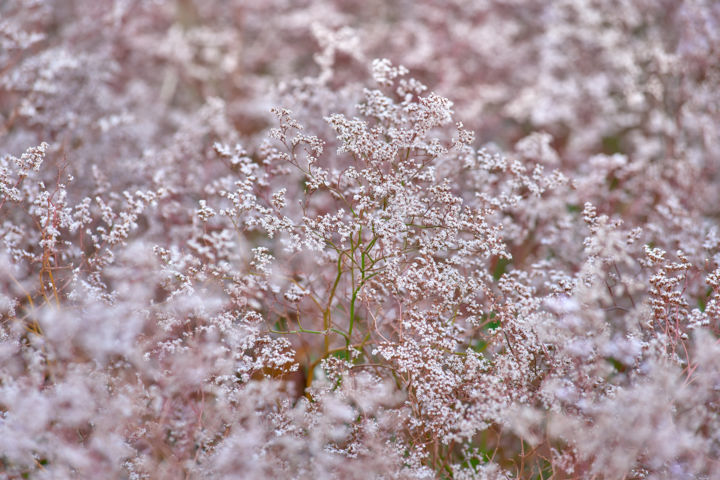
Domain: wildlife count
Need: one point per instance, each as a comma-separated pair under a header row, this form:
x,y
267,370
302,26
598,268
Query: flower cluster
x,y
330,239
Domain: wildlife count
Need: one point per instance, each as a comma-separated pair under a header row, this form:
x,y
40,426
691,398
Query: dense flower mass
x,y
340,239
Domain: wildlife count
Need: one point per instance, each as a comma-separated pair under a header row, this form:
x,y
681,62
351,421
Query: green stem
x,y
352,315
327,320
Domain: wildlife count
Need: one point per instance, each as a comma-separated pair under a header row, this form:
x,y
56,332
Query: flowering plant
x,y
233,245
